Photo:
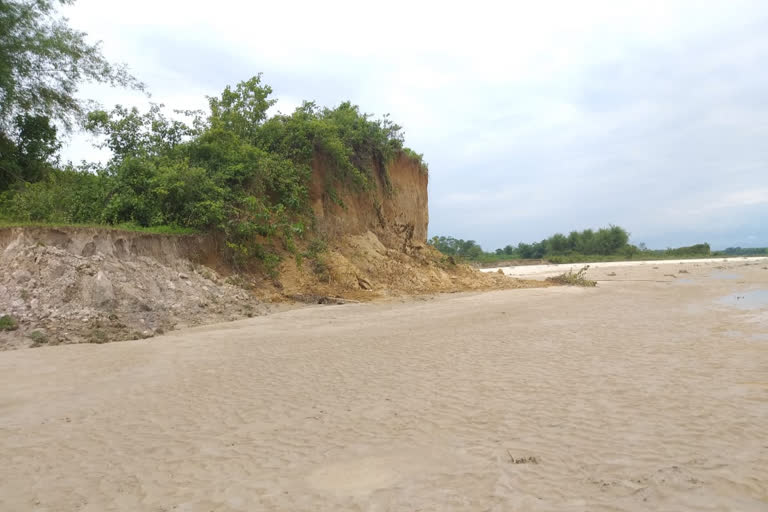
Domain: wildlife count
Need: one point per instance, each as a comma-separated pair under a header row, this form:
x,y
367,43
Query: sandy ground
x,y
649,392
552,269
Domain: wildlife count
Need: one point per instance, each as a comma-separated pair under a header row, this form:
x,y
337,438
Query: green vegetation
x,y
234,170
463,249
157,230
572,278
8,323
746,251
698,250
605,244
42,63
38,338
588,243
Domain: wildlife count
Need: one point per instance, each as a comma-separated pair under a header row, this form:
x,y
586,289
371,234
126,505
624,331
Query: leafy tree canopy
x,y
42,63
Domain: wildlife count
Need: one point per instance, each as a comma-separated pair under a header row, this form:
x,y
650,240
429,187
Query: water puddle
x,y
750,299
725,275
685,280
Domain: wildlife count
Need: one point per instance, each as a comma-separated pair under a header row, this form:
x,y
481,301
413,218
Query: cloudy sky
x,y
534,117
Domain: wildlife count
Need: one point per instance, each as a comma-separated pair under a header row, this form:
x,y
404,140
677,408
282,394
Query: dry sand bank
x,y
553,269
637,395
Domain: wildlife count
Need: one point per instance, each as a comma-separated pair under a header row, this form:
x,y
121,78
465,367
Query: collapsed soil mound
x,y
70,286
363,268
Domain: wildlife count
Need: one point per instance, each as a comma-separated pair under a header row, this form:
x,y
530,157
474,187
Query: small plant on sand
x,y
572,278
8,323
38,338
98,336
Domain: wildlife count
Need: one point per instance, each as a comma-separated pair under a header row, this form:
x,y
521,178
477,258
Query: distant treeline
x,y
744,251
609,243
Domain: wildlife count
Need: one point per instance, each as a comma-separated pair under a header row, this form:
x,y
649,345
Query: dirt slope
x,y
397,214
90,285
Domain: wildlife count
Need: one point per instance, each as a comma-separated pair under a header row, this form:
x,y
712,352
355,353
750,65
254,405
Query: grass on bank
x,y
130,227
8,323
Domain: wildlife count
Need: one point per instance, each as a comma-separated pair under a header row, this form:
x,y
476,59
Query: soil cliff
x,y
395,209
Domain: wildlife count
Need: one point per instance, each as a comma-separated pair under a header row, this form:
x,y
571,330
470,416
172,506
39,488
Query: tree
x,y
526,251
466,249
243,109
25,155
558,243
469,249
43,61
129,133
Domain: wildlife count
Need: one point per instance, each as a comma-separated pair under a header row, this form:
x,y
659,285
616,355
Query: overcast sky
x,y
534,117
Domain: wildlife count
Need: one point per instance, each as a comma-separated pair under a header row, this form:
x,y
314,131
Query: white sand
x,y
630,396
552,269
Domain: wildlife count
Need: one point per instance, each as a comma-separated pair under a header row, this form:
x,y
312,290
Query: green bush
x,y
693,250
8,323
38,338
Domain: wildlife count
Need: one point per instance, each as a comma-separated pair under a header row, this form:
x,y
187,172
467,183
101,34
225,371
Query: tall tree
x,y
43,61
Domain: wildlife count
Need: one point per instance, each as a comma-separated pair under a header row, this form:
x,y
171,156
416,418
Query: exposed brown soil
x,y
362,268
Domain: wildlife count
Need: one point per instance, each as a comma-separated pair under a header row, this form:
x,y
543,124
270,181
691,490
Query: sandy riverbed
x,y
552,269
649,392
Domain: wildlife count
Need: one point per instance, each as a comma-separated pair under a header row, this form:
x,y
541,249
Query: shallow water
x,y
750,299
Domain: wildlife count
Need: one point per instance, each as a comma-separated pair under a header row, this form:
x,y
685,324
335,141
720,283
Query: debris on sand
x,y
572,278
